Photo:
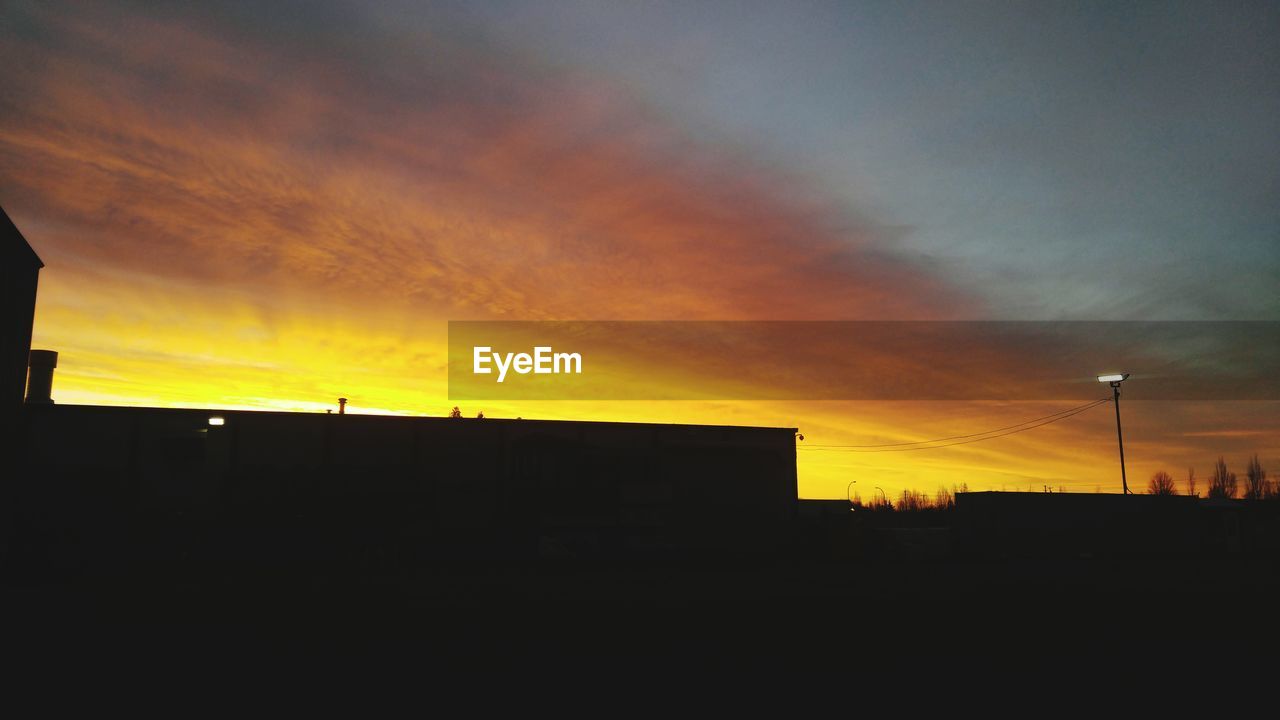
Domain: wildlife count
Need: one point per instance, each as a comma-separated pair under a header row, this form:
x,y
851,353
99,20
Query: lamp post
x,y
1115,379
883,495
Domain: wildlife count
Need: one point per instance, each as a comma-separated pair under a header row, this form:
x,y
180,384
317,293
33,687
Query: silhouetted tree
x,y
455,412
1161,484
1191,483
1223,482
912,501
880,501
1255,480
944,500
480,415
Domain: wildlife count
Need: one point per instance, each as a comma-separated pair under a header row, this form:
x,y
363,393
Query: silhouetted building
x,y
19,274
1021,524
317,488
108,486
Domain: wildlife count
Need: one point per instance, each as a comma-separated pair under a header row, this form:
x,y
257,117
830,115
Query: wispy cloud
x,y
451,182
1225,434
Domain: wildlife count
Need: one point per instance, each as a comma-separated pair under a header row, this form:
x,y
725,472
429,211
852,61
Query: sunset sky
x,y
272,204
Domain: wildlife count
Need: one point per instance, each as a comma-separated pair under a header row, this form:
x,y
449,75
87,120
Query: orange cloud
x,y
173,152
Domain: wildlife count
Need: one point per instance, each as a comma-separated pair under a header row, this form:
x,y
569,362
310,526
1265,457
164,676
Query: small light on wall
x,y
217,420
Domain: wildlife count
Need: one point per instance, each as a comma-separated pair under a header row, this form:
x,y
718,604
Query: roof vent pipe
x,y
40,377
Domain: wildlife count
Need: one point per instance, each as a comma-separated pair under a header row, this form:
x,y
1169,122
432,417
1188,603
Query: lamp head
x,y
1113,378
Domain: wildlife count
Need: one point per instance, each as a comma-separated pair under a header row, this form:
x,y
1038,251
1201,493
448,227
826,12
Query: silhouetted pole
x,y
342,406
1115,399
1115,379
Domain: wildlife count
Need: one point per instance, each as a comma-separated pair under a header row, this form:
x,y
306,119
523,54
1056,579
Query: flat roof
x,y
429,418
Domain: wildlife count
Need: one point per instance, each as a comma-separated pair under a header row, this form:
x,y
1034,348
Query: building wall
x,y
19,272
452,487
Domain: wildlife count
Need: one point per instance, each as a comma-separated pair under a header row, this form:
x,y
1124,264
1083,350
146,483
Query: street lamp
x,y
1115,379
883,494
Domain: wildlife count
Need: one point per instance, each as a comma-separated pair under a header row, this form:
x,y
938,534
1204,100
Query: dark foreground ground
x,y
1073,619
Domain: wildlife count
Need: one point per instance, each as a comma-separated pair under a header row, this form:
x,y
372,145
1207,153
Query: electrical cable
x,y
961,437
965,439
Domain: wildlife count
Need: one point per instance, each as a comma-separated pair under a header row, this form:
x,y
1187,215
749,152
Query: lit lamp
x,y
1115,379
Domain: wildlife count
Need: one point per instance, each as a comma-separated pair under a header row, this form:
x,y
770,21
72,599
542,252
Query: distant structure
x,y
19,274
1027,524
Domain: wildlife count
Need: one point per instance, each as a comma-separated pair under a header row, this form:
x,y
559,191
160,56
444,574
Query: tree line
x,y
912,500
1222,484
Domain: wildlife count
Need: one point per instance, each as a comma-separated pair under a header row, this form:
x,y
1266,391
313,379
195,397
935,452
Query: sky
x,y
268,205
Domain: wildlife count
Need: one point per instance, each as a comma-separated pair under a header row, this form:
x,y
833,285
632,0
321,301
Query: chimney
x,y
342,406
40,377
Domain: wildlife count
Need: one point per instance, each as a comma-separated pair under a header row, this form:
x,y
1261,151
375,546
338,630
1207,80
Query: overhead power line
x,y
965,439
960,437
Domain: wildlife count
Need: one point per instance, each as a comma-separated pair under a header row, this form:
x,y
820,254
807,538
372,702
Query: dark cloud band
x,y
921,360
